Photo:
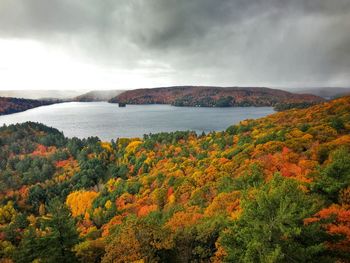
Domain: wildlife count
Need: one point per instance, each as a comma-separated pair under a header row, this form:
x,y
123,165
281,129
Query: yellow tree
x,y
80,201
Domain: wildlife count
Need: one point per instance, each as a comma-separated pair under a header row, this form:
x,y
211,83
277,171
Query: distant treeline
x,y
195,96
289,106
13,105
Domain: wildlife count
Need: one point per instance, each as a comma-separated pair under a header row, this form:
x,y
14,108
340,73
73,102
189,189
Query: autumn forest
x,y
275,189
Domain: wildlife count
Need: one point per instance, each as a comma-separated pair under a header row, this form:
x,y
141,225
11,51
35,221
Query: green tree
x,y
37,195
337,124
271,227
57,245
92,172
58,242
335,176
197,243
30,247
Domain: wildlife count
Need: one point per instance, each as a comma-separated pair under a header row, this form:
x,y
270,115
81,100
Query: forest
x,y
12,105
209,96
275,189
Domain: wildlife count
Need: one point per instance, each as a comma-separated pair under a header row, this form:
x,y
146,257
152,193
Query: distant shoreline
x,y
10,105
212,96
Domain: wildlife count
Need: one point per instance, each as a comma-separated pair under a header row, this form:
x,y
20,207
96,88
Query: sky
x,y
115,44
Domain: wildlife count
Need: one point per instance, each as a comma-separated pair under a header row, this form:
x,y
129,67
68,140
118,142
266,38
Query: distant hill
x,y
13,105
98,95
213,96
325,92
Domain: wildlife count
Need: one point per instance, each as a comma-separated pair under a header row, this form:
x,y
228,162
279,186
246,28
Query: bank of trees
x,y
276,189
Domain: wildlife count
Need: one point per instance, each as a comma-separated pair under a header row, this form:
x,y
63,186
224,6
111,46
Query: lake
x,y
108,121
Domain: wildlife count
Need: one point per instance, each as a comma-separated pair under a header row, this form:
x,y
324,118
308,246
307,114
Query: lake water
x,y
108,121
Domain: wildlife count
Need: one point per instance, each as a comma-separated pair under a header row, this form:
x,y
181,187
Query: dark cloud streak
x,y
237,42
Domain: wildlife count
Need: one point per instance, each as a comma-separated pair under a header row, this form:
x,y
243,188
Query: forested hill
x,y
276,189
213,96
12,105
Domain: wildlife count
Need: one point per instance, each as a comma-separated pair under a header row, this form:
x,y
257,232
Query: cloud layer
x,y
166,42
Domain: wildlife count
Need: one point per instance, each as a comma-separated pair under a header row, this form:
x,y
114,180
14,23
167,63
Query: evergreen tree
x,y
55,240
30,248
271,227
335,176
62,235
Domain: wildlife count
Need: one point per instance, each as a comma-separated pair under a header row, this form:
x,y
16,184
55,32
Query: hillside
x,y
326,93
98,95
213,96
275,189
13,105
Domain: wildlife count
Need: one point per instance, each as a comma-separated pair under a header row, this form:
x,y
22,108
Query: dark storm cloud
x,y
237,42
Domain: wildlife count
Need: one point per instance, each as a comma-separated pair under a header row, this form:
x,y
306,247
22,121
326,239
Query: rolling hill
x,y
213,96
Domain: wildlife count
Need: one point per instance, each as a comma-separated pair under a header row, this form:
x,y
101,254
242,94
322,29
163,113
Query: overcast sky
x,y
114,44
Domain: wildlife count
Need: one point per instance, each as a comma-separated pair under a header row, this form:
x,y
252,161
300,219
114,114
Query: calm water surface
x,y
108,121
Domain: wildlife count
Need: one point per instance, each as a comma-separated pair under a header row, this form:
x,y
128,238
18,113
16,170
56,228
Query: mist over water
x,y
108,121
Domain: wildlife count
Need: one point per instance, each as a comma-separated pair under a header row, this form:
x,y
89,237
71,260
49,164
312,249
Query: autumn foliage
x,y
257,192
80,202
